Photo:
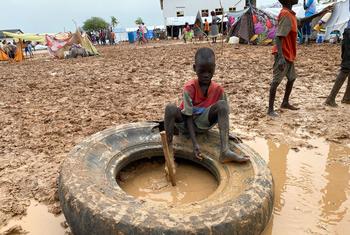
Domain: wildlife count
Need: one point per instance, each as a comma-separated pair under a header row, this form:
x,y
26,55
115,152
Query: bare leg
x,y
346,98
172,115
219,113
273,89
336,87
285,103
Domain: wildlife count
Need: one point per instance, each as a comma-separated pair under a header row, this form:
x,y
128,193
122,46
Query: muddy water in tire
x,y
147,180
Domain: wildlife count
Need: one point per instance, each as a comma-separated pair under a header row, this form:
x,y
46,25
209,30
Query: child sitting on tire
x,y
204,104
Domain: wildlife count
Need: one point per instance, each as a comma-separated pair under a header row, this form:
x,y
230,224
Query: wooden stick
x,y
169,158
222,29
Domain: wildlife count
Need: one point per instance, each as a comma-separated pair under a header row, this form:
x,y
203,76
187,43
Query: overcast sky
x,y
43,16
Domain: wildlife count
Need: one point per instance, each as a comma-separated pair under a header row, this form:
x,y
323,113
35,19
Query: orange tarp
x,y
3,56
19,56
19,52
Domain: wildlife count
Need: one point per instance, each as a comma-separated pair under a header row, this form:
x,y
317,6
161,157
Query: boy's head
x,y
288,2
204,65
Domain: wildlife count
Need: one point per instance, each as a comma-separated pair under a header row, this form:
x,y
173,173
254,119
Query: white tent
x,y
338,21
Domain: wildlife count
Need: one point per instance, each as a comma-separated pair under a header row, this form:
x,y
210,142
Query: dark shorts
x,y
289,72
345,70
201,123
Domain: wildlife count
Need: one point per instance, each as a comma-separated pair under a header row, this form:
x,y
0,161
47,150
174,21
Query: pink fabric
x,y
54,44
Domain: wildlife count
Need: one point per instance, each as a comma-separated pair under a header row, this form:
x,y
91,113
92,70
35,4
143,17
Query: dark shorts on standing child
x,y
289,72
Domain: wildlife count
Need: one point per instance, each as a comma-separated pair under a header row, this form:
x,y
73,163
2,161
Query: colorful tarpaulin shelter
x,y
253,24
59,43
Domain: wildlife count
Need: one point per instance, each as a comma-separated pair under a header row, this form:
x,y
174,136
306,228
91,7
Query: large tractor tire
x,y
93,202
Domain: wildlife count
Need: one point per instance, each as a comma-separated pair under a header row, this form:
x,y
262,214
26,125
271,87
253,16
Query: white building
x,y
177,12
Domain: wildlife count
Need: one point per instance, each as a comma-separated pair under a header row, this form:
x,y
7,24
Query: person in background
x,y
343,73
186,32
310,10
206,28
231,22
30,48
112,42
285,52
214,30
144,32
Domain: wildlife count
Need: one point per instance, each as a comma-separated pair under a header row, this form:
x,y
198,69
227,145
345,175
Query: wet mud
x,y
312,187
37,221
48,106
146,180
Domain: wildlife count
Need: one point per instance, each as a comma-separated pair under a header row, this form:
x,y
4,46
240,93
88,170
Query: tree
x,y
139,21
95,24
114,22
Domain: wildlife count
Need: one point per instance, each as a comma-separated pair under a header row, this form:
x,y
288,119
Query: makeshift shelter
x,y
27,36
18,54
4,37
198,25
253,25
3,56
59,44
339,20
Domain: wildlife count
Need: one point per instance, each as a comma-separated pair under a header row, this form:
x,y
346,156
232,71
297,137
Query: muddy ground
x,y
47,106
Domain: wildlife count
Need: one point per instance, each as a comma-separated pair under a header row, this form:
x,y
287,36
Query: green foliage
x,y
95,24
114,22
139,20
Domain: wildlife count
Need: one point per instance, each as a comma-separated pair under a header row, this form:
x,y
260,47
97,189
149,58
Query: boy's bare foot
x,y
345,101
331,103
230,156
288,106
272,114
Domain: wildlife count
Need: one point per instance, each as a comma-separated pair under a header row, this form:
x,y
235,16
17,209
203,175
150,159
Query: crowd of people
x,y
103,37
207,30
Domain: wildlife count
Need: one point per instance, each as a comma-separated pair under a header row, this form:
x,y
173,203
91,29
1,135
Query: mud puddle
x,y
38,221
312,187
146,180
312,190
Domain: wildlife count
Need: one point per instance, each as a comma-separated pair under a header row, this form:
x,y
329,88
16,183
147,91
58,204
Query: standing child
x,y
187,33
285,52
206,28
343,74
214,30
204,104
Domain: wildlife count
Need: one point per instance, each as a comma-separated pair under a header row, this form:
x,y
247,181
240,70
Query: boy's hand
x,y
197,152
281,63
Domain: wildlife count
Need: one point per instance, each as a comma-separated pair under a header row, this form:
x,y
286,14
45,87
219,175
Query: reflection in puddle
x,y
311,187
39,221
